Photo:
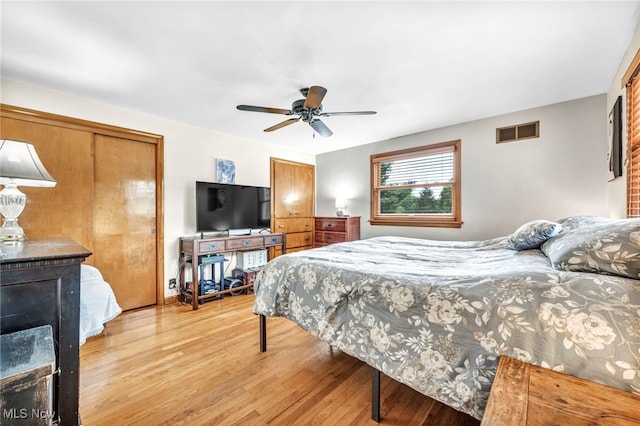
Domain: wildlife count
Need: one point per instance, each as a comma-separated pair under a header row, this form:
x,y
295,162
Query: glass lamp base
x,y
11,231
12,202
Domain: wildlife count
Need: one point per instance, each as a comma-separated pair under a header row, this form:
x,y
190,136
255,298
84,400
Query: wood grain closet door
x,y
292,189
125,219
67,209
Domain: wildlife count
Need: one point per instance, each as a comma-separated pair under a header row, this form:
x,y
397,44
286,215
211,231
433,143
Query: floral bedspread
x,y
437,315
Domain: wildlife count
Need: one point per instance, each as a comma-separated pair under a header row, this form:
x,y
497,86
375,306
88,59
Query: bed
x,y
437,315
98,304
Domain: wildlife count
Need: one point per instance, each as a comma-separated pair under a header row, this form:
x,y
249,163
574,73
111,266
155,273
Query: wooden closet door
x,y
67,209
292,189
305,178
125,218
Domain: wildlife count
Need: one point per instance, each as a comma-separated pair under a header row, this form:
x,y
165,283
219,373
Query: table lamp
x,y
19,165
341,207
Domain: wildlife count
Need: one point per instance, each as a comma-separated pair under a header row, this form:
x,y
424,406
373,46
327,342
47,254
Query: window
x,y
417,186
632,82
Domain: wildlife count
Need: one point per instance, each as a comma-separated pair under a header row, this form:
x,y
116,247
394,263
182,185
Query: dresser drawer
x,y
272,240
245,243
330,237
330,229
301,224
299,239
212,246
325,224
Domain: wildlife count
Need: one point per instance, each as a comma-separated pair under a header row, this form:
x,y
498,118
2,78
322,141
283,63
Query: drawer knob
x,y
245,243
213,245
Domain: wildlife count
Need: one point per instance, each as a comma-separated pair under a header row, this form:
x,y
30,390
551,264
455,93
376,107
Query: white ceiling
x,y
419,64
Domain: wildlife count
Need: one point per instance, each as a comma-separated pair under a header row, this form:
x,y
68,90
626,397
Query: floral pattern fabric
x,y
591,244
437,315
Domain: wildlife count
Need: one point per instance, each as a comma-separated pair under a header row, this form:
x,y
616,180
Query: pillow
x,y
610,246
573,222
532,234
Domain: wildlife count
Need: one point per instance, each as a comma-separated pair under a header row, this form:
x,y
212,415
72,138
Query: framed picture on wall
x,y
614,156
225,171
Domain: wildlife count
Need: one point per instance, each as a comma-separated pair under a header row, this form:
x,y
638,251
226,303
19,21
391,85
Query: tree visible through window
x,y
417,187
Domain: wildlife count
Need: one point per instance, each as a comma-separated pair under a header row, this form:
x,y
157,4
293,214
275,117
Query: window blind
x,y
425,170
417,186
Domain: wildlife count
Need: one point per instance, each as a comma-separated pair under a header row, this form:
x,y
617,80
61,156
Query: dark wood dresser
x,y
40,285
336,229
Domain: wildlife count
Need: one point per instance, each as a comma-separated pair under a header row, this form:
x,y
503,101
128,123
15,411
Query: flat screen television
x,y
224,207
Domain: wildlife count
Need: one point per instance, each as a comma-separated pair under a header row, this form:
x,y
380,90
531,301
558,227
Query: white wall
x,y
561,173
617,189
189,155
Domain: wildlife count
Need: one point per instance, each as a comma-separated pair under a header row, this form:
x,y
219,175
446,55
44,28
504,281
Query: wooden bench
x,y
524,394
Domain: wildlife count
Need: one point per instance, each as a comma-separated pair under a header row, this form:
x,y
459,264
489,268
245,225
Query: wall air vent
x,y
517,132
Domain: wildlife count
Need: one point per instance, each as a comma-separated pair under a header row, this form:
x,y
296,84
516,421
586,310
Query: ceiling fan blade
x,y
315,97
264,109
320,128
329,114
281,125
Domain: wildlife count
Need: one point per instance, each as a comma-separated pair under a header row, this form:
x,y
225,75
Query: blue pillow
x,y
532,234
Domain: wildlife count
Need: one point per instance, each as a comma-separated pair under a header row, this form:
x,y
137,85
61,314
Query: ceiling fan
x,y
308,110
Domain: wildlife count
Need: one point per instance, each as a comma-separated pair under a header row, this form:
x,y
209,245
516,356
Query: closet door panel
x,y
305,178
293,184
67,209
284,194
125,218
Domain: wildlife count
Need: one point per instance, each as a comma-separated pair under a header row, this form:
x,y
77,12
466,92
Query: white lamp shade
x,y
20,165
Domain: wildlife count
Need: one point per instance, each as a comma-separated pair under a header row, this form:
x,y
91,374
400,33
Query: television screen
x,y
222,206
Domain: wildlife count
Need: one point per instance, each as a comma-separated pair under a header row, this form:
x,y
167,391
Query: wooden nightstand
x,y
336,229
524,394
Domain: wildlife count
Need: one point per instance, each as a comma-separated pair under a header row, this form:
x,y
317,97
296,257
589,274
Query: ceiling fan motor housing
x,y
297,107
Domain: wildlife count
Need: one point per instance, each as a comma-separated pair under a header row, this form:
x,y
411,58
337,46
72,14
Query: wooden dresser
x,y
40,285
336,229
524,394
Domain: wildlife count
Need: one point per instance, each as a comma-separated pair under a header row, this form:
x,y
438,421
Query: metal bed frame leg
x,y
375,395
263,333
375,373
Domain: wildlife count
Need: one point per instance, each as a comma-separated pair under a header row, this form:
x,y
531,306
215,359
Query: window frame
x,y
631,80
453,220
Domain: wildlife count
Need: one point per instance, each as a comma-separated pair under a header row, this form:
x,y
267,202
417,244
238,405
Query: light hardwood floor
x,y
170,365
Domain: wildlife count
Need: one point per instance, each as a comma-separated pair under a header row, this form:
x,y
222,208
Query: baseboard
x,y
171,299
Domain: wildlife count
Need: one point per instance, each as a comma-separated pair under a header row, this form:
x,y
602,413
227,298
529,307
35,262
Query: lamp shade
x,y
20,165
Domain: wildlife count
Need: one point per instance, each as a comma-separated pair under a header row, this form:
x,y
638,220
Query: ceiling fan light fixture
x,y
307,110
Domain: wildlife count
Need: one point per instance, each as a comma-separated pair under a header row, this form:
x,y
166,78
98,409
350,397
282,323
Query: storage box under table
x,y
27,365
